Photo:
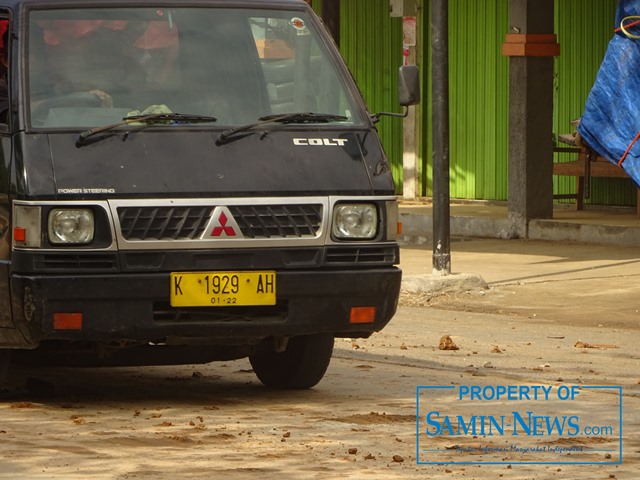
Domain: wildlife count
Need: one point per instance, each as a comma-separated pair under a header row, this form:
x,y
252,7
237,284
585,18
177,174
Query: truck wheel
x,y
302,365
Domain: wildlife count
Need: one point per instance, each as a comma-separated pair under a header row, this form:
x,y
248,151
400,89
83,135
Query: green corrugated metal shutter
x,y
371,43
584,29
478,91
478,98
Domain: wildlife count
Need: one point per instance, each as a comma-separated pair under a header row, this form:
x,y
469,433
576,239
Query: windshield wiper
x,y
144,119
304,117
298,117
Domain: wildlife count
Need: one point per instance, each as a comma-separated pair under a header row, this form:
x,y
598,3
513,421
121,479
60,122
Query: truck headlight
x,y
73,226
355,221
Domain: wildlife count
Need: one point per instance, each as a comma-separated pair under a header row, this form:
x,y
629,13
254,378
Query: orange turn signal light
x,y
19,234
67,321
399,228
362,315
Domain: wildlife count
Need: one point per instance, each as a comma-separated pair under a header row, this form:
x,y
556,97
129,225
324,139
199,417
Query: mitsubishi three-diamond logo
x,y
222,225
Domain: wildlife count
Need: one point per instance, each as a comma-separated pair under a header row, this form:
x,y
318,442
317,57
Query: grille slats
x,y
361,255
158,223
266,221
76,262
189,222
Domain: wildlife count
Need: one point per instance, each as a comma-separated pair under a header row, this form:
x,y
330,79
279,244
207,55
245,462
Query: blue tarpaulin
x,y
611,119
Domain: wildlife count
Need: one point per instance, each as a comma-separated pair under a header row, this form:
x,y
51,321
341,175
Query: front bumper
x,y
135,307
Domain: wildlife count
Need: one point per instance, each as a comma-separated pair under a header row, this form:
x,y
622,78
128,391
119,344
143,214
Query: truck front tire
x,y
302,365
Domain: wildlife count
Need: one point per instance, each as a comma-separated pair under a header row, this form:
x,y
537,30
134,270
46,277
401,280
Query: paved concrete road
x,y
566,283
216,421
554,315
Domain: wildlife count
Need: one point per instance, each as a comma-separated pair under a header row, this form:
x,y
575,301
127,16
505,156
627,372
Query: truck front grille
x,y
189,222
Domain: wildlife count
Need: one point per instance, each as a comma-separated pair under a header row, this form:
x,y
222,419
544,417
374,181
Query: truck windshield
x,y
89,67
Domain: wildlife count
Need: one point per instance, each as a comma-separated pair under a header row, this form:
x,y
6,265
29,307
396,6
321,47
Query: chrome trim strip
x,y
119,243
223,241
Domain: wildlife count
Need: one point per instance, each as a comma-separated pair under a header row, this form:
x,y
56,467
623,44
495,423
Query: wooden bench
x,y
587,165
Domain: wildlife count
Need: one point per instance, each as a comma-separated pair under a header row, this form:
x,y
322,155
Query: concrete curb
x,y
553,230
458,282
417,229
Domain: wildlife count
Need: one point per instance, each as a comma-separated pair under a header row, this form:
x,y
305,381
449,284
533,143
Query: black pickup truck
x,y
184,182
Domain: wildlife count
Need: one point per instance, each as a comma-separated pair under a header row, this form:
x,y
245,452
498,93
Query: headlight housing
x,y
355,221
74,226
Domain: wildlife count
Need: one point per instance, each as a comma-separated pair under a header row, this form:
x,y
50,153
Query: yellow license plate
x,y
223,289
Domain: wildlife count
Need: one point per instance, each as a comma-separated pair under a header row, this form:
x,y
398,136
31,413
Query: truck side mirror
x,y
408,91
408,85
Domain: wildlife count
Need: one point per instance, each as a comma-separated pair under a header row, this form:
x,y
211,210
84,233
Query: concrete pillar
x,y
410,127
531,46
410,181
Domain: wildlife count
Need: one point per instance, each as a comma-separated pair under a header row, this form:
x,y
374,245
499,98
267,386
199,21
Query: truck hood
x,y
155,163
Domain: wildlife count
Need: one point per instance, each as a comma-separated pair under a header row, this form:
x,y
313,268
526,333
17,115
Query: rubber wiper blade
x,y
307,117
145,119
176,117
297,117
